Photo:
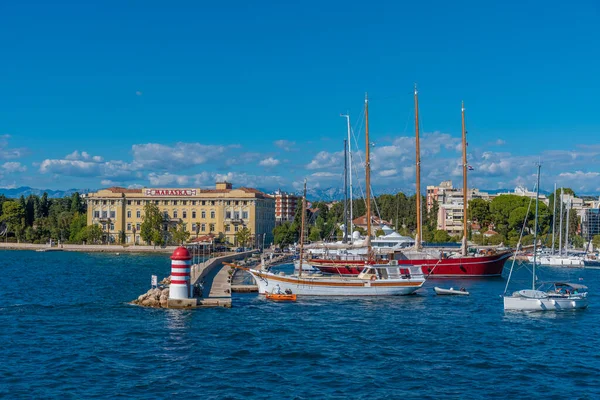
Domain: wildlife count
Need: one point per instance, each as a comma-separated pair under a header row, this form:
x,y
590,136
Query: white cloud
x,y
13,167
154,156
285,144
579,175
7,153
167,179
324,159
388,172
269,162
500,142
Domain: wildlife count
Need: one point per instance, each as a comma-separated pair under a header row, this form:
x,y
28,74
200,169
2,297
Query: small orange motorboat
x,y
281,296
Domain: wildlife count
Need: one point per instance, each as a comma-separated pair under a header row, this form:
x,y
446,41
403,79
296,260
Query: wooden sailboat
x,y
373,280
557,296
434,262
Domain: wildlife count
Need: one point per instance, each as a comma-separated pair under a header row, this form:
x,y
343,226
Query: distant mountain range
x,y
26,191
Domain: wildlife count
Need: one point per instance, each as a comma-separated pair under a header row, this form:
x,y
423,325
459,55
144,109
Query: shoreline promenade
x,y
101,248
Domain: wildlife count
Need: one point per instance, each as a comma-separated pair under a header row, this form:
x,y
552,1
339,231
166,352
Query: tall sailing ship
x,y
435,262
373,279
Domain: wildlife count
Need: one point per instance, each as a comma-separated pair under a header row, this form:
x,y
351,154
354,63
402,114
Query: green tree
x,y
441,236
243,236
91,234
13,214
78,223
479,210
315,234
179,234
150,230
596,241
76,203
284,234
578,241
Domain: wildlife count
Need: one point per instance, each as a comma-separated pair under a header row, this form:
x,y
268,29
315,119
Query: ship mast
x,y
349,164
535,229
419,234
302,229
465,199
368,175
345,238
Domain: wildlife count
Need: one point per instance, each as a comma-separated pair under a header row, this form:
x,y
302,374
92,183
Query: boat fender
x,y
373,277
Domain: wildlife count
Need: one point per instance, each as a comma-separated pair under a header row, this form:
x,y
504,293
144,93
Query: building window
x,y
96,214
184,214
112,214
228,202
112,227
104,226
156,202
236,228
137,227
236,215
226,228
128,213
104,214
139,202
203,227
194,227
165,202
129,226
174,202
212,215
112,202
104,202
128,202
212,227
203,214
174,213
138,214
194,214
245,214
212,202
165,214
228,214
193,202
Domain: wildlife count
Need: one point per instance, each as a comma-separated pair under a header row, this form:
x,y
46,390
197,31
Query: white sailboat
x,y
545,297
373,280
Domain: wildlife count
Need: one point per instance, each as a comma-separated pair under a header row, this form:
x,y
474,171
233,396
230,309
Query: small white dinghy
x,y
451,291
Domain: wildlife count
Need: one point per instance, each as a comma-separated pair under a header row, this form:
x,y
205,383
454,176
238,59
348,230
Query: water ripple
x,y
68,332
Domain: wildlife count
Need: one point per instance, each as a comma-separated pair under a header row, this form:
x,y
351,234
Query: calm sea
x,y
67,332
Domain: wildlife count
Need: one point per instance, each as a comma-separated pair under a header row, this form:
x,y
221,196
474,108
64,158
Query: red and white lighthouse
x,y
181,261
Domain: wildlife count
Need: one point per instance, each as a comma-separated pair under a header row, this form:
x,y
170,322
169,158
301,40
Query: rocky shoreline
x,y
155,297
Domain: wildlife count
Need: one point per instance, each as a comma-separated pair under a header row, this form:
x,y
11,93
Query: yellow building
x,y
222,211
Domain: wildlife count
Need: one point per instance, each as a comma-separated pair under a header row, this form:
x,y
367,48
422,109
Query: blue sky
x,y
183,93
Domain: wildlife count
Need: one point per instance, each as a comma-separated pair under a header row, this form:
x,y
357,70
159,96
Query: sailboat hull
x,y
484,266
335,286
519,303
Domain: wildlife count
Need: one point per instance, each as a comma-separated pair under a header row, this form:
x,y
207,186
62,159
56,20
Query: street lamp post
x,y
133,230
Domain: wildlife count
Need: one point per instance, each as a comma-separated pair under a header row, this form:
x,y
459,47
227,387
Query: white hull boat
x,y
306,267
375,280
559,296
558,261
451,291
537,300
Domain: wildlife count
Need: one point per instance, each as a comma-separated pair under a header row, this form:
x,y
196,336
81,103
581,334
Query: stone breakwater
x,y
155,297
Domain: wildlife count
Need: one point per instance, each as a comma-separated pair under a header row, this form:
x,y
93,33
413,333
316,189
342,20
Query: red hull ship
x,y
465,267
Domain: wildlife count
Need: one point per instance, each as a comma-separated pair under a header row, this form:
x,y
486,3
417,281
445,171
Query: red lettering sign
x,y
170,192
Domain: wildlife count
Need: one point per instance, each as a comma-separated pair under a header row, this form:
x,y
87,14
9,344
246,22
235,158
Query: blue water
x,y
67,332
